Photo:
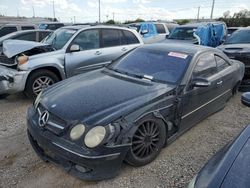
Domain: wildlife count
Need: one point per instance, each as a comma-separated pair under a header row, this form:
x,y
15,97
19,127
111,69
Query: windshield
x,y
182,33
239,37
154,65
42,26
59,38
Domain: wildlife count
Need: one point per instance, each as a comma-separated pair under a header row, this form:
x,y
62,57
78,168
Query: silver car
x,y
67,52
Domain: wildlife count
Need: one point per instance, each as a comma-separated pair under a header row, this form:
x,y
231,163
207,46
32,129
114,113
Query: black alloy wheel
x,y
147,143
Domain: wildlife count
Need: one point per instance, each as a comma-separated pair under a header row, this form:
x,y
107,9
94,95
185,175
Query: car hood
x,y
178,41
100,97
15,47
235,48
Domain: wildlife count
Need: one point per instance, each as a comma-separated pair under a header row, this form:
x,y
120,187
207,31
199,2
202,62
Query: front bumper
x,y
12,81
78,161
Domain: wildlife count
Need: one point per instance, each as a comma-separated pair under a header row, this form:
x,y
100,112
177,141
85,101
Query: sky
x,y
122,10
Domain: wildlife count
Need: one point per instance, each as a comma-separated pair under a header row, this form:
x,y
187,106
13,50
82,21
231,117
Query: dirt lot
x,y
176,165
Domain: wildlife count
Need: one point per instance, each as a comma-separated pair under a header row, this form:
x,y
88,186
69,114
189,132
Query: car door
x,y
89,56
199,102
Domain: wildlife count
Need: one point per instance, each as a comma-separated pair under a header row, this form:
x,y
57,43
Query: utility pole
x,y
212,10
74,19
113,16
99,11
198,15
33,11
54,10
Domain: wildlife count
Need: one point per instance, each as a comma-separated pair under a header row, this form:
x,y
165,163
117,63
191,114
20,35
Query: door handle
x,y
220,82
98,53
124,49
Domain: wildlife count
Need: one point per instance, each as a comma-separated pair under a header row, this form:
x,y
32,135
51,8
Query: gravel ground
x,y
175,167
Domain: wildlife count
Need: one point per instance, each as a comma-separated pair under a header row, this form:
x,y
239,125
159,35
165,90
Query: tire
x,y
147,142
39,80
235,88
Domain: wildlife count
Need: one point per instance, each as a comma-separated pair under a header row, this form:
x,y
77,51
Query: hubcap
x,y
41,83
146,139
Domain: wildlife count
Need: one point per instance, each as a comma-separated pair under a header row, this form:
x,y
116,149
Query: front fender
x,y
46,60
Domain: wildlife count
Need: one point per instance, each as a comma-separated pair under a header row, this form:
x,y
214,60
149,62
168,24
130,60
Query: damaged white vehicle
x,y
31,66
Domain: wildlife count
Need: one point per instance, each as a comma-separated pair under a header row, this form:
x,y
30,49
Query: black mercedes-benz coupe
x,y
129,110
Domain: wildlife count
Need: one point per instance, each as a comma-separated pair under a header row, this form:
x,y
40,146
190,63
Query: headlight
x,y
95,136
77,131
22,59
38,99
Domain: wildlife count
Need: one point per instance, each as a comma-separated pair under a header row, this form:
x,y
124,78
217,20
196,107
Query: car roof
x,y
18,24
199,24
177,47
78,27
51,23
31,30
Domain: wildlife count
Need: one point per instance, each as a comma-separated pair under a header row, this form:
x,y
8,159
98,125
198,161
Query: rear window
x,y
7,30
130,38
160,28
182,33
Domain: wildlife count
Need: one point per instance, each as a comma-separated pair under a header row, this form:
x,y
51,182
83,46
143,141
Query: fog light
x,y
81,169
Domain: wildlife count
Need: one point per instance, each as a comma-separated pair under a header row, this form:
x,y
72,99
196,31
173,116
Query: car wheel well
x,y
52,69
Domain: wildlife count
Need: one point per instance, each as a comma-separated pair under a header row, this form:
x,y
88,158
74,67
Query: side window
x,y
7,30
27,36
130,38
160,28
27,27
111,37
221,63
206,66
42,35
88,39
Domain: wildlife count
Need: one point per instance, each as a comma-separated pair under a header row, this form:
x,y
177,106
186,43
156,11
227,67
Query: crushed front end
x,y
51,143
11,80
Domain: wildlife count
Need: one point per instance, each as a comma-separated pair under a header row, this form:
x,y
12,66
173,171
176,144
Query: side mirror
x,y
74,48
200,82
245,98
144,31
